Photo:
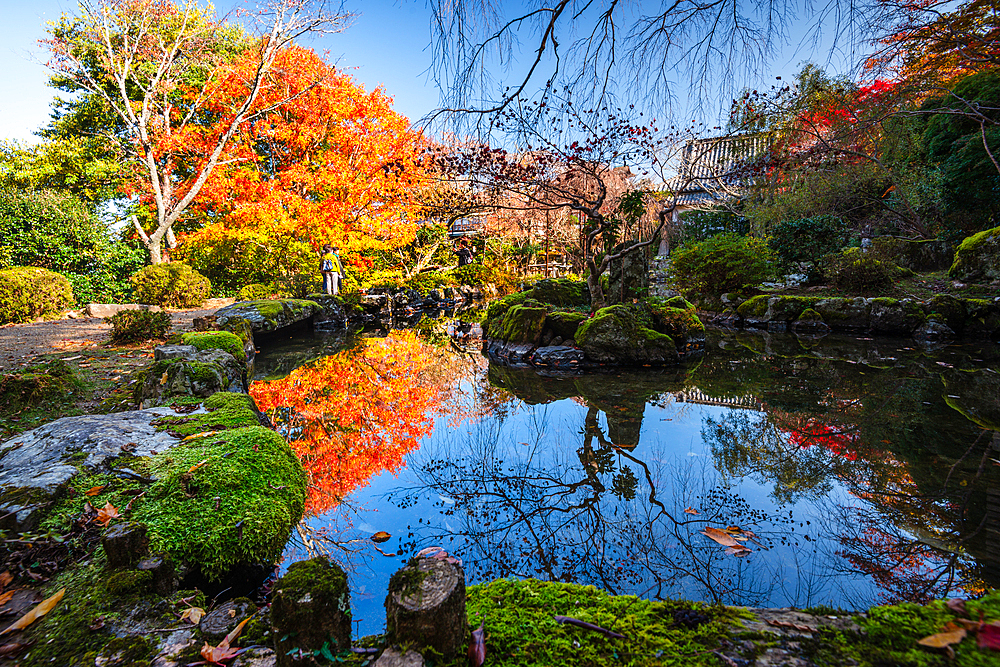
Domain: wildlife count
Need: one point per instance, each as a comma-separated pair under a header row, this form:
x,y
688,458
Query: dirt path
x,y
19,343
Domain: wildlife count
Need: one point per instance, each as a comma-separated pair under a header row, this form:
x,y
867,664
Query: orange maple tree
x,y
357,413
333,164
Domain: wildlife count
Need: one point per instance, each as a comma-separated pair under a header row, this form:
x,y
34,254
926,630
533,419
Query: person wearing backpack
x,y
331,268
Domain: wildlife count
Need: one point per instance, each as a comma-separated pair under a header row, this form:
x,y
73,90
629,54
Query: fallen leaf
x,y
192,615
690,510
197,465
5,597
793,626
477,647
989,636
198,435
43,607
380,537
739,552
13,647
216,655
94,490
107,514
5,578
957,605
721,536
945,639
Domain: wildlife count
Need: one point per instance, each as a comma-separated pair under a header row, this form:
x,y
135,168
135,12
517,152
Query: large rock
x,y
977,258
561,292
847,314
200,374
332,313
617,335
557,356
36,466
564,323
108,309
522,323
926,255
266,315
894,316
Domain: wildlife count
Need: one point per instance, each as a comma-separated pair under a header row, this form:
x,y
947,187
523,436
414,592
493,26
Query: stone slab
x,y
109,309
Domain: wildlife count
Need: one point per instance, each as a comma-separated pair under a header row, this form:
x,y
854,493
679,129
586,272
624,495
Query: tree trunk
x,y
425,606
597,300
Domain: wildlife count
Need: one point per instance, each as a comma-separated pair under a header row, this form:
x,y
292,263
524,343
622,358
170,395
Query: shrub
x,y
474,275
27,292
231,261
807,241
860,273
133,326
720,264
254,292
425,282
173,285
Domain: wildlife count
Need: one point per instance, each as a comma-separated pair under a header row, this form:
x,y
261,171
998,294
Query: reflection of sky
x,y
670,443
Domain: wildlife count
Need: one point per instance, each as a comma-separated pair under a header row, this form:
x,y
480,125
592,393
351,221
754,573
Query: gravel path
x,y
19,343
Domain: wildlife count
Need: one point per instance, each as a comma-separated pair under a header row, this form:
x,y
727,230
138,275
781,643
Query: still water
x,y
773,471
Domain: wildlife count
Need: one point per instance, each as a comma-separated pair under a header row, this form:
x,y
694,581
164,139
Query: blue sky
x,y
386,45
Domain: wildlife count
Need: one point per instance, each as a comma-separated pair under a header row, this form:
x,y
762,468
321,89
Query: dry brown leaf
x,y
107,514
5,578
380,537
944,639
231,637
197,465
721,536
42,608
94,490
192,615
690,510
198,435
5,597
739,552
957,606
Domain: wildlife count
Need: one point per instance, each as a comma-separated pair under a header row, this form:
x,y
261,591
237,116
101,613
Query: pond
x,y
774,471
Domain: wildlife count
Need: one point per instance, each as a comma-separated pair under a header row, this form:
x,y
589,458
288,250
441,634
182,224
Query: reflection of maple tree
x,y
354,414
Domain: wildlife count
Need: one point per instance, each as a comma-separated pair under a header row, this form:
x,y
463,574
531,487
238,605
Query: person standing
x,y
464,253
331,268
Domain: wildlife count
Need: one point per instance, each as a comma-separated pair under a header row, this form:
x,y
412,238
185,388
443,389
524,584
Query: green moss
x,y
653,336
564,323
810,315
672,319
128,582
973,253
225,410
561,292
522,323
518,617
216,340
497,309
754,307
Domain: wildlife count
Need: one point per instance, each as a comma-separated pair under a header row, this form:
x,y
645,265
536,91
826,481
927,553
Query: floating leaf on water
x,y
380,537
43,607
690,510
721,536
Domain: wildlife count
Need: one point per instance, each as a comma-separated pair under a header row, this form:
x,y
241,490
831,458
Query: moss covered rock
x,y
977,258
623,334
521,323
311,611
216,340
266,315
913,254
677,318
28,292
895,316
564,323
982,319
561,292
202,375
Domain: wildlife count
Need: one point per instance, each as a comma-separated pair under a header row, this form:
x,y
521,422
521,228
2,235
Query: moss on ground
x,y
520,629
225,411
216,340
39,393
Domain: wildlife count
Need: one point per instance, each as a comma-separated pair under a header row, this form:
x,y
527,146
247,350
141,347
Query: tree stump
x,y
425,607
126,544
311,607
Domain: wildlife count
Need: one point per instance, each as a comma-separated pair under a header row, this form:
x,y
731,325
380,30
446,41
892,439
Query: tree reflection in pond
x,y
864,468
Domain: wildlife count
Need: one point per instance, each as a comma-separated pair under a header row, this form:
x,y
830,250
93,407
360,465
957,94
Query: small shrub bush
x,y
27,292
173,285
425,282
474,275
720,264
254,292
133,326
861,273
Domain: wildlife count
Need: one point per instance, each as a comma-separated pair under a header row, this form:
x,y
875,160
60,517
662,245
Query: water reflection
x,y
866,470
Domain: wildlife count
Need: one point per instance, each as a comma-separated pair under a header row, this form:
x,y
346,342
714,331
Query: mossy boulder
x,y
677,318
849,314
623,334
894,316
982,318
265,315
977,258
915,255
561,292
948,310
311,611
564,323
216,340
28,292
36,384
774,312
521,323
810,323
201,375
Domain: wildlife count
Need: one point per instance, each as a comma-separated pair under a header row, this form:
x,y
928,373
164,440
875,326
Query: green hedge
x,y
28,292
133,326
173,285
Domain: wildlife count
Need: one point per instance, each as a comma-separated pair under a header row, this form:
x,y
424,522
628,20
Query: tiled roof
x,y
714,169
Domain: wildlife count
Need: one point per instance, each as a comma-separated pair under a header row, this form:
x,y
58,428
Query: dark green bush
x,y
807,241
56,231
425,282
172,285
133,326
720,264
28,292
861,273
475,275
